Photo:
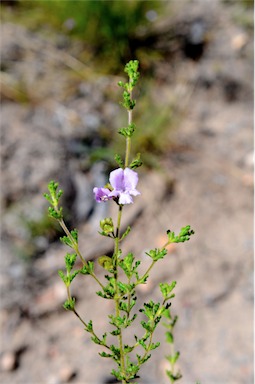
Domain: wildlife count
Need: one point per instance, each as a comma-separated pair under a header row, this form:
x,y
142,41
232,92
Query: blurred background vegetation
x,y
109,29
110,33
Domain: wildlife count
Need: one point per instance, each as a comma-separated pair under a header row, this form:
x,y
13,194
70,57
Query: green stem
x,y
116,251
146,273
86,327
129,300
128,146
96,279
79,317
74,243
117,300
152,265
68,293
76,248
128,139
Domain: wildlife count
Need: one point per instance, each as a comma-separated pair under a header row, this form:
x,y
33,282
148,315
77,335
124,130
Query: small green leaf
x,y
184,235
63,276
65,240
69,304
169,337
74,234
157,253
142,343
90,326
127,349
166,289
154,346
55,214
119,161
127,231
53,198
87,269
127,131
73,275
70,261
137,162
104,354
96,340
116,332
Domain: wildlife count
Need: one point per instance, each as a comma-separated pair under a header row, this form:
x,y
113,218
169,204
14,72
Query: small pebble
x,y
66,374
8,361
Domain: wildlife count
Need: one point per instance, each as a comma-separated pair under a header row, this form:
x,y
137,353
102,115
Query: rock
x,y
84,201
239,41
67,374
49,300
8,361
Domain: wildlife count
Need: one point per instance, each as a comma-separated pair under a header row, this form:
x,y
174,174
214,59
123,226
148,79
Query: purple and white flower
x,y
101,194
123,182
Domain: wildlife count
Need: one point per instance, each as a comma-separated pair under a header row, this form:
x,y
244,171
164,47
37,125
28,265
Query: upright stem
x,y
117,300
128,139
116,252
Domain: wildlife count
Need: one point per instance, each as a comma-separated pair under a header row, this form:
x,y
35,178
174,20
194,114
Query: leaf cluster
x,y
127,131
129,266
131,69
72,240
87,269
174,356
184,235
157,254
166,290
53,198
69,262
136,162
69,304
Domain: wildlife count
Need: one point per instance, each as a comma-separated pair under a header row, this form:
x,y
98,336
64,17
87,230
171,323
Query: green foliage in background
x,y
108,27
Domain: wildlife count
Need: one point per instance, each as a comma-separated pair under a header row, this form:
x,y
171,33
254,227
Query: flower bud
x,y
105,262
107,225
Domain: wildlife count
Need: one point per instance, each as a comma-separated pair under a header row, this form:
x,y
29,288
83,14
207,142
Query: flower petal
x,y
101,194
114,193
125,198
134,192
117,179
130,179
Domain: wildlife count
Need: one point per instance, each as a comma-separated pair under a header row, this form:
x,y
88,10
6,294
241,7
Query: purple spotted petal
x,y
101,194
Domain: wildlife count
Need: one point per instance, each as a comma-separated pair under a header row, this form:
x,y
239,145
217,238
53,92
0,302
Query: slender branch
x,y
79,317
74,242
86,327
76,249
146,273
